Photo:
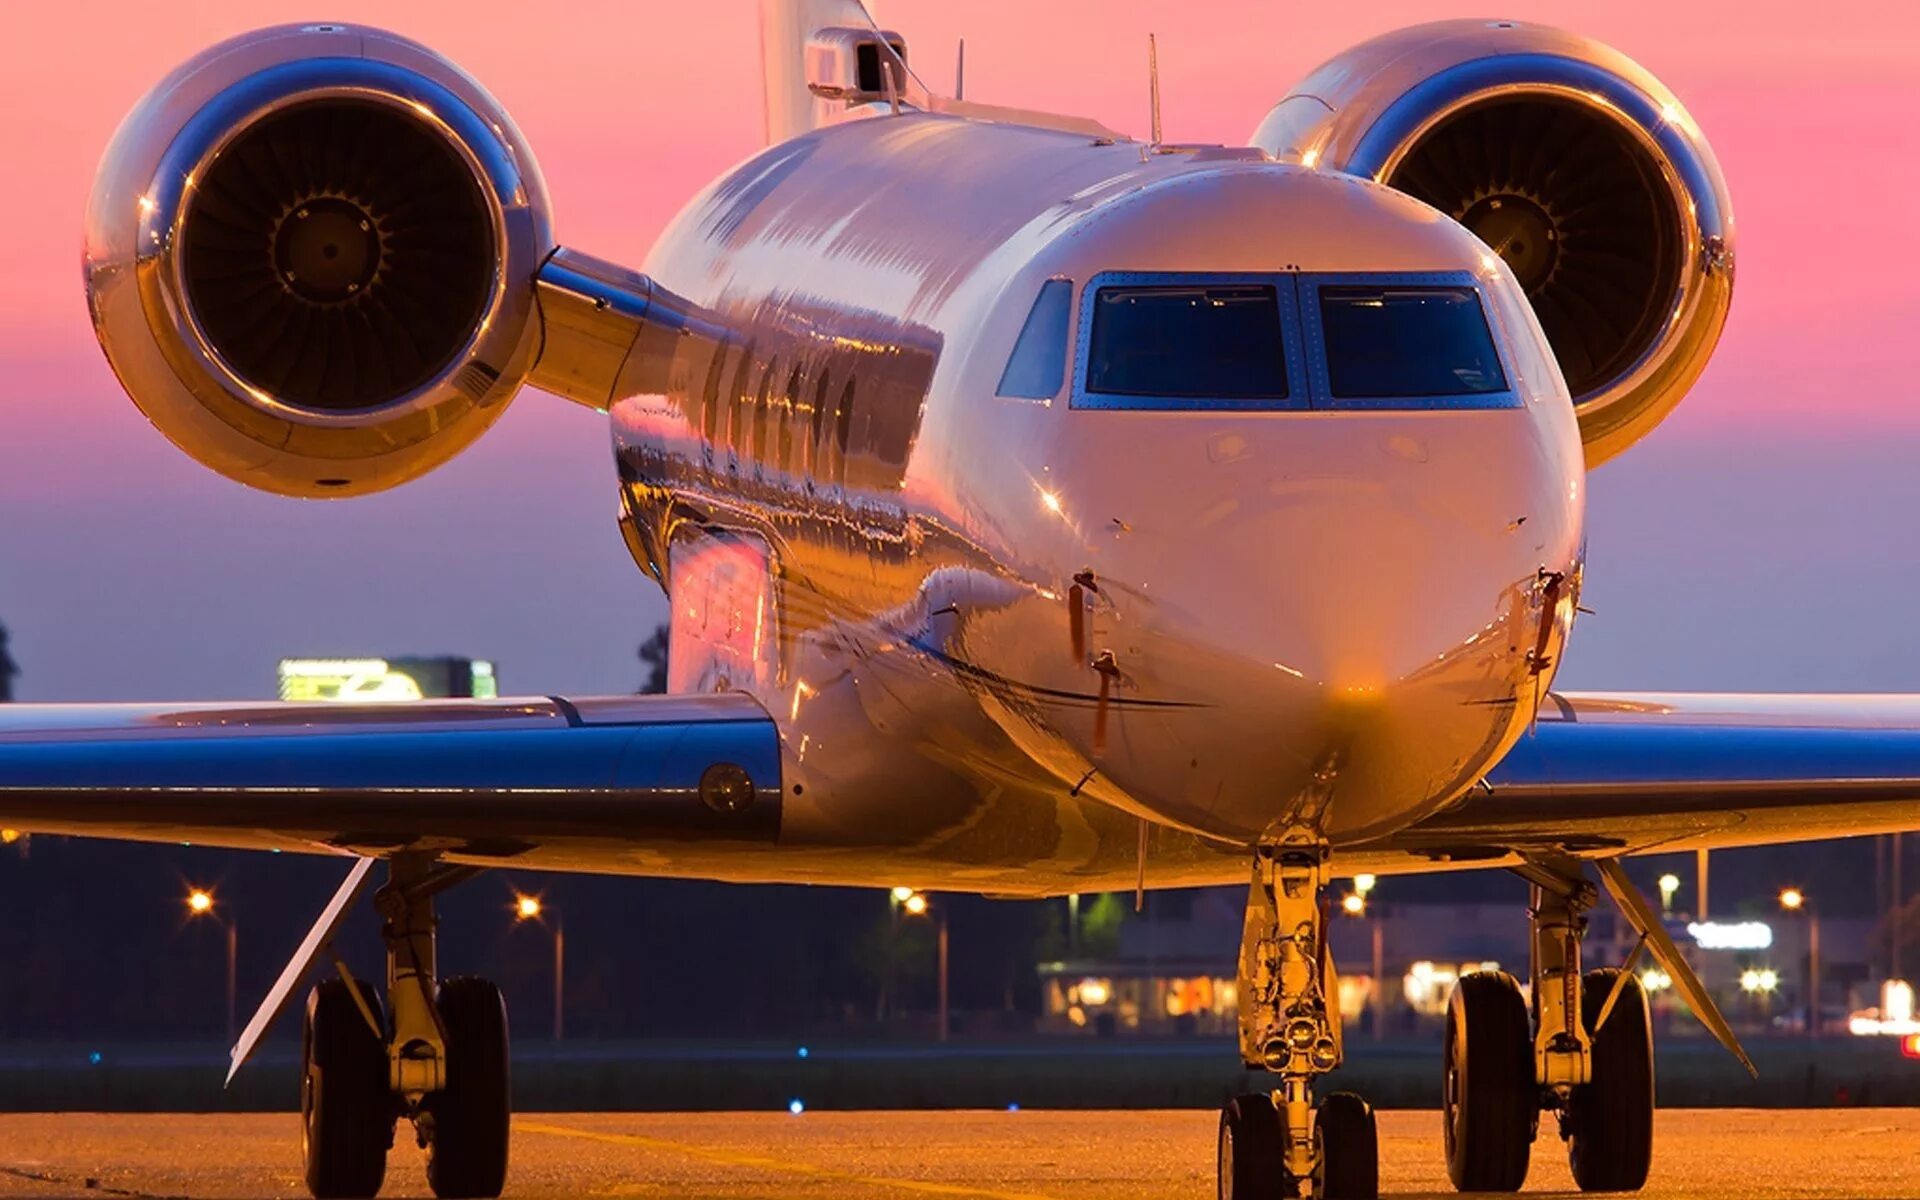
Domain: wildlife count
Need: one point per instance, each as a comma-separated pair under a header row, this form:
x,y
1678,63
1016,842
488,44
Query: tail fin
x,y
786,26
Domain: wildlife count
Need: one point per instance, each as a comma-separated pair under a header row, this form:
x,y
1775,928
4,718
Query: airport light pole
x,y
918,905
1355,904
1796,901
532,908
1896,911
201,903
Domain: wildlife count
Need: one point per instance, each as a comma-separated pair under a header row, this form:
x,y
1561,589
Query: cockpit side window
x,y
1407,342
1039,361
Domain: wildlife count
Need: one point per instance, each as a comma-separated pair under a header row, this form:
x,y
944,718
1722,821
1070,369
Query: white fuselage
x,y
1227,622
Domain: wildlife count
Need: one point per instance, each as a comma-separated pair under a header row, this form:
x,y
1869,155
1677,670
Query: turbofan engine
x,y
1572,162
310,258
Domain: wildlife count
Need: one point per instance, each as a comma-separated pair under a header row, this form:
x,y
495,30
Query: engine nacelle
x,y
310,258
1574,163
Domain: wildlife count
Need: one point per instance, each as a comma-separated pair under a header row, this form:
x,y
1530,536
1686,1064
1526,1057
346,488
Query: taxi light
x,y
1910,1045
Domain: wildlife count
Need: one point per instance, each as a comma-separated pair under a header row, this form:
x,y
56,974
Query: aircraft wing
x,y
477,780
1607,773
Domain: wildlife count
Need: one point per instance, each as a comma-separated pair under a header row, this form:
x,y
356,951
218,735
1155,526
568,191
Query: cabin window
x,y
819,416
710,394
1386,342
788,461
762,442
737,402
843,426
1039,361
1210,345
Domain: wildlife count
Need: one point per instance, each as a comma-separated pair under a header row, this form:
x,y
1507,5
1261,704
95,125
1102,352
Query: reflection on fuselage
x,y
1223,620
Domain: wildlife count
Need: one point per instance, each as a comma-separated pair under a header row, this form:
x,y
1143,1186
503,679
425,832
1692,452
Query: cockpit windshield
x,y
1192,342
1409,342
1288,340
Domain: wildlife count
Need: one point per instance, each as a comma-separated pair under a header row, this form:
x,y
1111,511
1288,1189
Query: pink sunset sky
x,y
1761,539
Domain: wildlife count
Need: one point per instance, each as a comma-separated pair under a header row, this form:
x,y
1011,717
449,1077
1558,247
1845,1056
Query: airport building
x,y
1397,965
365,680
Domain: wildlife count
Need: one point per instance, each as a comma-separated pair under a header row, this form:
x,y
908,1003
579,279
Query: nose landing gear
x,y
1280,1143
438,1058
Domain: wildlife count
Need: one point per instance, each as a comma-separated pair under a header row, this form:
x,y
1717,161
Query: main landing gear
x,y
1584,1053
1279,1143
438,1058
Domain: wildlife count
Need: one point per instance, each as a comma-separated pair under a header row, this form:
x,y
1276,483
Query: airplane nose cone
x,y
1352,668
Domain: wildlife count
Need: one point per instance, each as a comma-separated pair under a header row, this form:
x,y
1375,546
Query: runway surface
x,y
1700,1154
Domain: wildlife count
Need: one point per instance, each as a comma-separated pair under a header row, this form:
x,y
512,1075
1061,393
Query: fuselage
x,y
975,604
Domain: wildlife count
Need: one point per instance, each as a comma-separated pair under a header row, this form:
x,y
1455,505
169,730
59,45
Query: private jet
x,y
1042,510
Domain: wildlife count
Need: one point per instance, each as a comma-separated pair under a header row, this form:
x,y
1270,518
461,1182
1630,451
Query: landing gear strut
x,y
1585,1053
1280,1143
436,1056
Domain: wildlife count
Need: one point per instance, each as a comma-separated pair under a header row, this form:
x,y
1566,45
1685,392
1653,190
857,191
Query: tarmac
x,y
1030,1155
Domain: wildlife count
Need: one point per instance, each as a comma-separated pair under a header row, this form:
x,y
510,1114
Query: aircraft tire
x,y
346,1110
1610,1120
1349,1149
467,1153
1491,1100
1252,1163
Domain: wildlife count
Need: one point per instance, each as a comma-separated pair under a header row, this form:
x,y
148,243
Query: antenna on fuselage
x,y
960,72
1153,85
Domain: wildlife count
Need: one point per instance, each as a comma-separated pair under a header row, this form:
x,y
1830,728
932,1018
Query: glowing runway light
x,y
795,1107
803,1052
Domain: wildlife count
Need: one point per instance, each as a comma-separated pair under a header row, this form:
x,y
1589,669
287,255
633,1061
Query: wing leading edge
x,y
474,780
1612,773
